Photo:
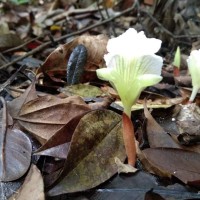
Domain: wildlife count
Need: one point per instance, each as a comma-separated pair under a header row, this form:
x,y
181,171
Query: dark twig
x,y
12,78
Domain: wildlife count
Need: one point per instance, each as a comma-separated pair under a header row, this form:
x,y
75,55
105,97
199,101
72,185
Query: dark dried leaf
x,y
157,137
185,165
46,115
76,63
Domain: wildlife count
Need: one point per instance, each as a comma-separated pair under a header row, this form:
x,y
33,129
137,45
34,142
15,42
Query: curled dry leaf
x,y
96,48
32,188
46,115
124,168
97,140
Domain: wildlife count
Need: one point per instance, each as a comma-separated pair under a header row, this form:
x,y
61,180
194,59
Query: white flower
x,y
131,65
194,68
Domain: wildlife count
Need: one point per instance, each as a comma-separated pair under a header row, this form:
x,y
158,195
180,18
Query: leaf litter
x,y
72,129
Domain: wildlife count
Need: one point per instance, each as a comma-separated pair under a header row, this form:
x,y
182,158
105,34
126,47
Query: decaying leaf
x,y
15,150
97,140
124,168
9,40
185,165
32,188
82,90
76,63
44,116
157,137
188,119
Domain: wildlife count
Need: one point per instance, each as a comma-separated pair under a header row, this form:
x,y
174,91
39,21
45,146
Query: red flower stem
x,y
176,72
129,139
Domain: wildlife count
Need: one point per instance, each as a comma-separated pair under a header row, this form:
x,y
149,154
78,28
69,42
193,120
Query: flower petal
x,y
194,67
104,74
132,43
146,80
150,64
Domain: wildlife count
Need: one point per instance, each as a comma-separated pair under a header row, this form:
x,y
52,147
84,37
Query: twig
x,y
11,79
22,45
41,47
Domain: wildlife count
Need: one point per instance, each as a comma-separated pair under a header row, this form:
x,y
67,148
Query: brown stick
x,y
129,139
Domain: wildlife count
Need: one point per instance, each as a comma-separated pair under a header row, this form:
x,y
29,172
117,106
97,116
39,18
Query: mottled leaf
x,y
97,140
82,90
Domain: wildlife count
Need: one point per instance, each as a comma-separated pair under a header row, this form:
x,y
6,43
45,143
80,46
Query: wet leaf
x,y
185,165
150,195
135,186
75,65
16,148
46,115
32,188
82,90
157,136
97,140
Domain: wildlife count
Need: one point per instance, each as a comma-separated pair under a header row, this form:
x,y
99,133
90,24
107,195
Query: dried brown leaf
x,y
157,137
185,165
32,188
46,115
